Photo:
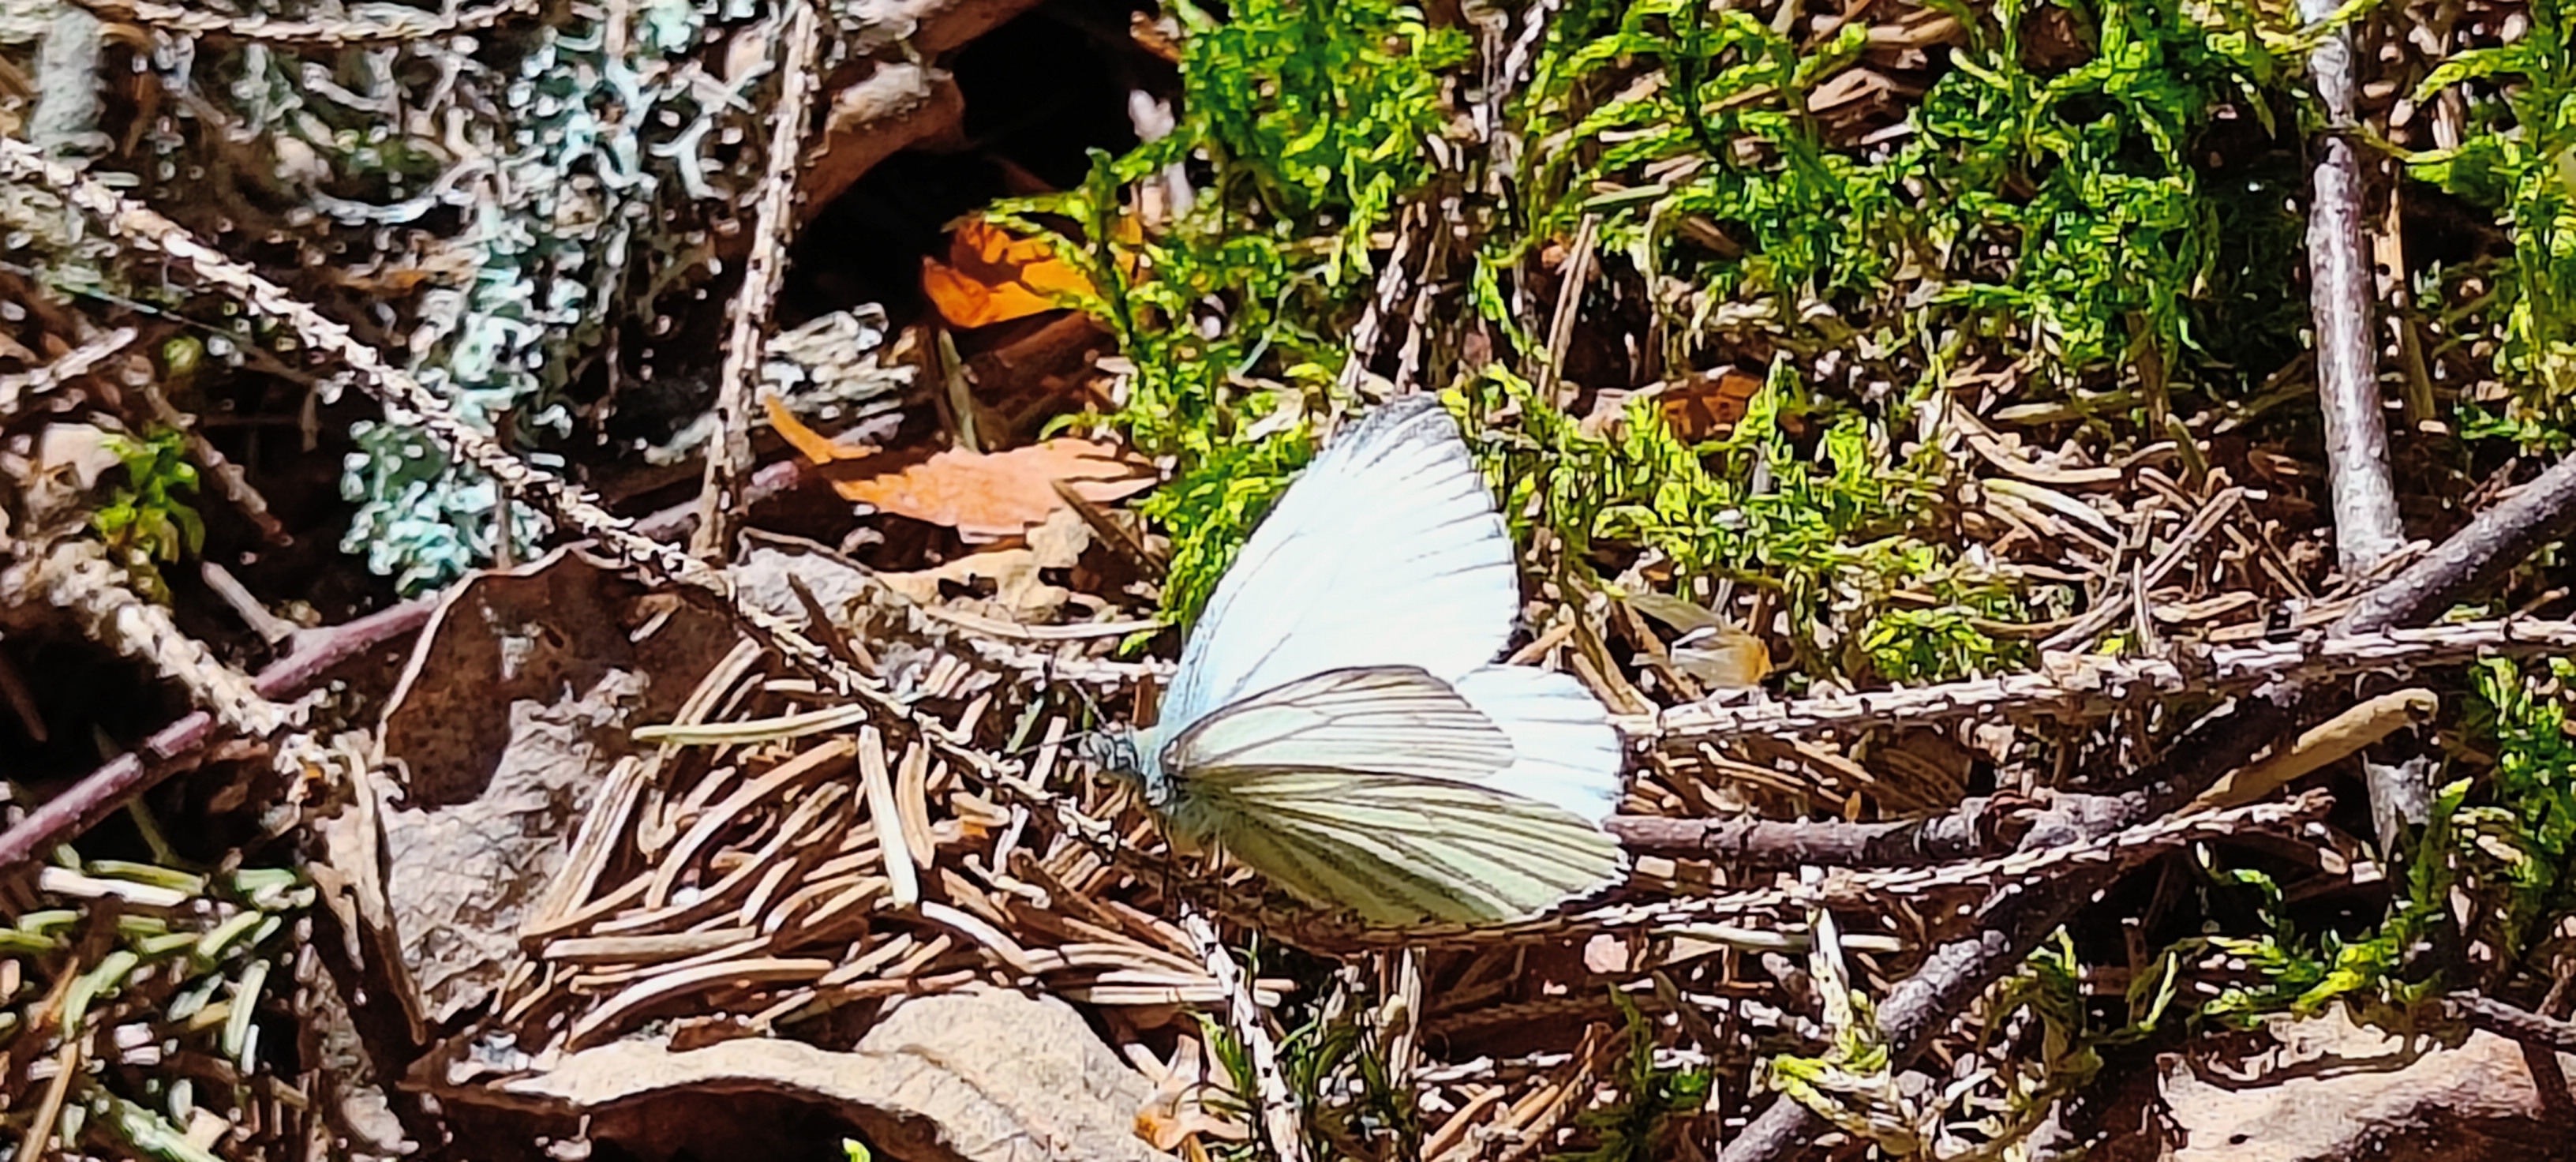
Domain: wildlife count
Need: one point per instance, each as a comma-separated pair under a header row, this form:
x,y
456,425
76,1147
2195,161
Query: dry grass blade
x,y
641,996
1281,1114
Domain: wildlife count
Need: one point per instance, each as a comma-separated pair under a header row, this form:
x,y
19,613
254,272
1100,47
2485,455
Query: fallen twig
x,y
1282,1121
2479,1011
2092,684
2032,865
1979,826
74,574
2367,528
16,388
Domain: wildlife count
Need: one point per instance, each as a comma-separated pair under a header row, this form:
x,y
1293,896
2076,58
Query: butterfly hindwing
x,y
1406,851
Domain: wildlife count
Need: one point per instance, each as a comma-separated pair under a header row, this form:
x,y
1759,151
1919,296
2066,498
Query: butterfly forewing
x,y
1386,552
1565,751
1395,720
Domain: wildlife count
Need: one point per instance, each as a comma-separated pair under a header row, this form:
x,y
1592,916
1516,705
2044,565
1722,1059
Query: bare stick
x,y
1569,300
1876,887
2471,559
2091,684
2535,1029
75,575
1974,829
2367,529
729,454
14,389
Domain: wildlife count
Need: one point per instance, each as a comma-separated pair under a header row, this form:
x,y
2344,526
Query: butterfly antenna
x,y
1068,740
1046,670
1088,702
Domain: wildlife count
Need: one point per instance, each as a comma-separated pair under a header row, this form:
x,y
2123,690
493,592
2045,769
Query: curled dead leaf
x,y
984,496
1710,650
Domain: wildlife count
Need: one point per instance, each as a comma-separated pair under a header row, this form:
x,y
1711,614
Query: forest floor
x,y
558,560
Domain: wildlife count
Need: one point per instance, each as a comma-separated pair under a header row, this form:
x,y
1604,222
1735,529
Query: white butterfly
x,y
1337,722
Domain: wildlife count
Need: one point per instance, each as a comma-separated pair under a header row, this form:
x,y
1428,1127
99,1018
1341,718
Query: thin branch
x,y
14,389
2065,854
2367,528
2012,922
2496,540
1976,828
76,576
1577,274
2504,1020
2091,685
1506,81
234,482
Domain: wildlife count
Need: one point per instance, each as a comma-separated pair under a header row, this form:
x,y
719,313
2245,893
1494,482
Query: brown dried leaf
x,y
984,1077
507,721
1002,494
984,496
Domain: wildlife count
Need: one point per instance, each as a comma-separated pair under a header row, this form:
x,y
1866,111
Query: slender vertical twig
x,y
2367,528
1577,271
729,453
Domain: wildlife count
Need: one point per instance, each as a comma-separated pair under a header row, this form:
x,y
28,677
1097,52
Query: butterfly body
x,y
1337,722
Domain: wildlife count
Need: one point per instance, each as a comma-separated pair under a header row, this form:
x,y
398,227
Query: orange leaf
x,y
990,496
992,277
1707,407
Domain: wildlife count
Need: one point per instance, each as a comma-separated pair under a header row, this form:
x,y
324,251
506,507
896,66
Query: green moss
x,y
2519,164
1312,120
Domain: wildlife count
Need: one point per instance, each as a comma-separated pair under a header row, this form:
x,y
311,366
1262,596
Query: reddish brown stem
x,y
102,791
